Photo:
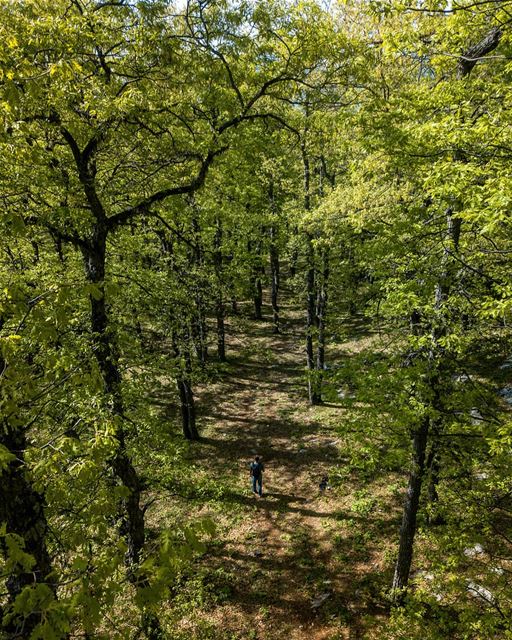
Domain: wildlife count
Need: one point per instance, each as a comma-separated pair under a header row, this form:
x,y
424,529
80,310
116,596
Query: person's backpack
x,y
256,469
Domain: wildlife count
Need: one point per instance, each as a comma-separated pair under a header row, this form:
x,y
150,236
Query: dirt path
x,y
288,548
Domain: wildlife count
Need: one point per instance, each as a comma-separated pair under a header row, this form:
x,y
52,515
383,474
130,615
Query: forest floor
x,y
273,556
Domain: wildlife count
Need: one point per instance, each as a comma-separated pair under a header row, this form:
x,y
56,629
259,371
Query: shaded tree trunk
x,y
256,286
132,526
410,512
434,469
258,294
199,325
311,328
189,396
321,312
132,519
420,439
311,320
220,310
274,280
183,382
22,511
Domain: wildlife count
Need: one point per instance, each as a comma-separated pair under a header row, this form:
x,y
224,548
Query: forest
x,y
239,228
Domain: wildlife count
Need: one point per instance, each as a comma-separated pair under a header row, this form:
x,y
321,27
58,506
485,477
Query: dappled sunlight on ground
x,y
276,554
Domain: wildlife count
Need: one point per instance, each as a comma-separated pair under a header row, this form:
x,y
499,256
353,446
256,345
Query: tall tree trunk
x,y
420,439
311,327
221,328
294,258
94,256
220,310
132,519
184,407
199,326
434,470
132,526
258,294
274,280
200,330
311,320
321,312
256,272
189,396
184,384
410,512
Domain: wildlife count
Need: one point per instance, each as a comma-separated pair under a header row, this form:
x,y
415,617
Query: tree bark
x,y
274,280
132,519
258,294
220,310
434,470
189,396
321,312
256,286
22,511
410,512
199,326
477,51
420,439
311,320
184,384
184,408
311,327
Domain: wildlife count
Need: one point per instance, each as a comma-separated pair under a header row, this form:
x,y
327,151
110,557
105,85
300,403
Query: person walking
x,y
257,476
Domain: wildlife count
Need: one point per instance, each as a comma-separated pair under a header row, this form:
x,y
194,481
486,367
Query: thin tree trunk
x,y
314,397
220,310
274,280
321,313
256,288
189,396
200,330
183,382
410,512
184,408
311,320
294,258
258,295
434,470
321,303
199,326
420,439
221,329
